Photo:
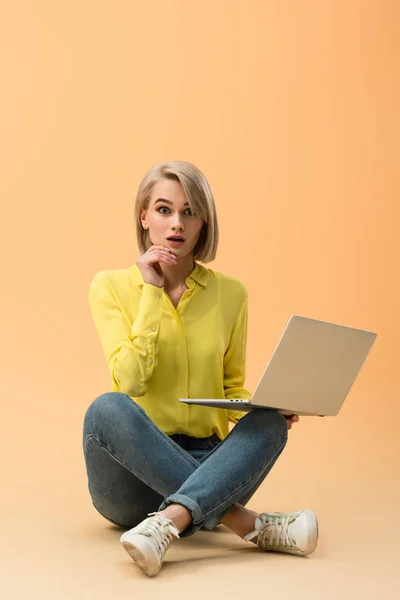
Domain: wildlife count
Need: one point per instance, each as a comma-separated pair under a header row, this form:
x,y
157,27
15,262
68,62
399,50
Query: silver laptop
x,y
310,372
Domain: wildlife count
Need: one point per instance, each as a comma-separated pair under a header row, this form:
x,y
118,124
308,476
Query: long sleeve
x,y
235,363
130,351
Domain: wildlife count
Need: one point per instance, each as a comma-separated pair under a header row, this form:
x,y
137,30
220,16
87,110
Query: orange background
x,y
290,108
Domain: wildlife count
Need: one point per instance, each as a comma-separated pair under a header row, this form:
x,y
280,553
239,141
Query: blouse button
x,y
150,362
153,329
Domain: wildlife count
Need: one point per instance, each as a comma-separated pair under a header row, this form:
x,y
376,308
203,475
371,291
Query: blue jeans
x,y
134,468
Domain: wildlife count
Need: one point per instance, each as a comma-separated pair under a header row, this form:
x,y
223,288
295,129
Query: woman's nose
x,y
177,222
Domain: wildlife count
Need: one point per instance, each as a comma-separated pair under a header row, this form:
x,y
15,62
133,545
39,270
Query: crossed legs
x,y
134,468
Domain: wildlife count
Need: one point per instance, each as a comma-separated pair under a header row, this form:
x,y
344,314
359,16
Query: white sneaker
x,y
148,542
296,533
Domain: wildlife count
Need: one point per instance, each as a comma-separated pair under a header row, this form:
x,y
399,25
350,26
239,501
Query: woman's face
x,y
169,214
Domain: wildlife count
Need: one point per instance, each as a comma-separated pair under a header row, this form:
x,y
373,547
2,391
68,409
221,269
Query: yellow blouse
x,y
157,353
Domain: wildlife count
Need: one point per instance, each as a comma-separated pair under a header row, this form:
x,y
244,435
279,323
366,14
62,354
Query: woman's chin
x,y
180,253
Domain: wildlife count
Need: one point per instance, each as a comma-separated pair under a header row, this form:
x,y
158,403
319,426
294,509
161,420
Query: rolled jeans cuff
x,y
196,512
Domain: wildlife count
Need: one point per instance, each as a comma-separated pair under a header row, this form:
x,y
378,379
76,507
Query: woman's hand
x,y
150,267
290,419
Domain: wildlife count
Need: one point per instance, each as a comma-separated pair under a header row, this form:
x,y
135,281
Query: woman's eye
x,y
164,210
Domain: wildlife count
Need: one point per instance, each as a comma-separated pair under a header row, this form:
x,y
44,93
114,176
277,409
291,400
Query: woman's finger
x,y
290,419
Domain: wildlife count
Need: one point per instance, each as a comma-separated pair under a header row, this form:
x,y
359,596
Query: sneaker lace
x,y
275,531
160,529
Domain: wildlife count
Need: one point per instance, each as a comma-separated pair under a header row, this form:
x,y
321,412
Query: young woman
x,y
171,328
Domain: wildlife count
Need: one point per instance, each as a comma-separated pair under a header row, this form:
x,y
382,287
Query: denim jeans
x,y
134,468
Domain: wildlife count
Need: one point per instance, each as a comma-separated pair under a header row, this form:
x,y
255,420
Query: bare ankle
x,y
179,515
240,520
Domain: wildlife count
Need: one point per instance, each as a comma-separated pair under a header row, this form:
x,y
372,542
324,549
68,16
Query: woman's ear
x,y
143,219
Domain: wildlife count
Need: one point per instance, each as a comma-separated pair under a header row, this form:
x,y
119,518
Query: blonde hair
x,y
199,197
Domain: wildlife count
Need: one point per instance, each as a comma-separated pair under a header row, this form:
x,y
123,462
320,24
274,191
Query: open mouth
x,y
176,238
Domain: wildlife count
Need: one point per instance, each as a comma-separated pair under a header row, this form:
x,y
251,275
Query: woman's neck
x,y
175,277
